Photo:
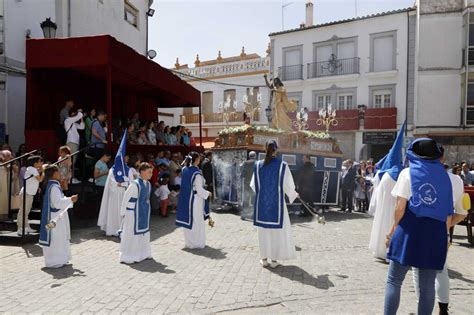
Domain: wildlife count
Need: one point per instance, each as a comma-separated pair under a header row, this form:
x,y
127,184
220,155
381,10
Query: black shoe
x,y
349,211
342,210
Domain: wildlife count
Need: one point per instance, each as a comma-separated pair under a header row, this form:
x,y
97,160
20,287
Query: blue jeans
x,y
426,283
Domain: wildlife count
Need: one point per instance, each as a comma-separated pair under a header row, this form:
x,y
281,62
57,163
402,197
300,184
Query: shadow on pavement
x,y
152,266
64,272
457,275
209,252
32,250
295,273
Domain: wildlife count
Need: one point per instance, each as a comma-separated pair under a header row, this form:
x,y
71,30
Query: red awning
x,y
96,72
91,55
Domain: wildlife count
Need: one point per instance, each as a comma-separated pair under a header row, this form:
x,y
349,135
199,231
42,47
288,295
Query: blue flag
x,y
120,168
392,163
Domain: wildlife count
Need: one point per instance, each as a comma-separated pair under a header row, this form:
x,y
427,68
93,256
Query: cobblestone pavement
x,y
334,273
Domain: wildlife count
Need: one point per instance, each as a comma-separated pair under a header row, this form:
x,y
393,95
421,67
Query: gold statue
x,y
280,119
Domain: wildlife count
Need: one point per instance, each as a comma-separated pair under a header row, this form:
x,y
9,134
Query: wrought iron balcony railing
x,y
291,73
333,67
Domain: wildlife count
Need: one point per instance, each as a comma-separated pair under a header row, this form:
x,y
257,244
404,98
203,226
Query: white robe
x,y
278,244
58,253
109,216
196,237
383,205
133,248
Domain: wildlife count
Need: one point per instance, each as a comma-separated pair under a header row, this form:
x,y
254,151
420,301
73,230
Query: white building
x,y
347,64
444,103
221,79
126,20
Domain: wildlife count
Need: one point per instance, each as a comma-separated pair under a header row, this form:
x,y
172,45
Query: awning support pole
x,y
200,126
109,106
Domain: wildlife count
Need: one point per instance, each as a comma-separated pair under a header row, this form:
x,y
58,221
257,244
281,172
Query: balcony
x,y
333,67
215,118
291,73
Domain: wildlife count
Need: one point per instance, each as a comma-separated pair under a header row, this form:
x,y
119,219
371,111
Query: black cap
x,y
426,149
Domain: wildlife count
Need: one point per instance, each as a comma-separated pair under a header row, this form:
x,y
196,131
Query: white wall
x,y
21,16
90,17
434,52
362,30
438,77
16,100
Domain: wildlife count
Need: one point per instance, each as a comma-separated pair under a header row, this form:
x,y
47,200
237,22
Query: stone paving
x,y
334,273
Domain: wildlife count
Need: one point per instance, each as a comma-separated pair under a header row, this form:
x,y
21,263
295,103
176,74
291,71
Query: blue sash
x,y
141,207
45,234
432,193
269,194
184,214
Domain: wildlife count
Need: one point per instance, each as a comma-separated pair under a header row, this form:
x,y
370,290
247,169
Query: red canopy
x,y
97,72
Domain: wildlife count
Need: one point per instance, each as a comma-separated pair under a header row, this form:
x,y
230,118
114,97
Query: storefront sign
x,y
379,137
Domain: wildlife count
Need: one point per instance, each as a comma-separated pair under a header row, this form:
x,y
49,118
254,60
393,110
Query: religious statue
x,y
282,105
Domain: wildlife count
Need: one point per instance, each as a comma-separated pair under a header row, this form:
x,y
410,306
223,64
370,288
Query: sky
x,y
183,28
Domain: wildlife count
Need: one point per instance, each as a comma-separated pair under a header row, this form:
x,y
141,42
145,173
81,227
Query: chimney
x,y
309,14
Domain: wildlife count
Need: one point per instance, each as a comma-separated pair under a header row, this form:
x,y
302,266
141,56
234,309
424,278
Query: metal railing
x,y
333,67
291,73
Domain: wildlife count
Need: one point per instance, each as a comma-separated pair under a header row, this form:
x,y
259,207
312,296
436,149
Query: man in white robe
x,y
135,211
118,179
109,216
55,242
382,204
271,183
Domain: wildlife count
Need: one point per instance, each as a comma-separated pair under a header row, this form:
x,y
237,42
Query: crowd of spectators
x,y
153,133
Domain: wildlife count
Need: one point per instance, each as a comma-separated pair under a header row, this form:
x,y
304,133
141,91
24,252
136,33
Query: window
x,y
383,51
339,98
323,101
289,158
292,63
207,102
382,96
131,14
344,101
335,57
382,99
229,96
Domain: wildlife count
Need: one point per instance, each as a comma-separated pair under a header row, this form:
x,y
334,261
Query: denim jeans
x,y
426,287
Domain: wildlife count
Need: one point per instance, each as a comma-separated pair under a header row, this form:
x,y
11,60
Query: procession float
x,y
293,139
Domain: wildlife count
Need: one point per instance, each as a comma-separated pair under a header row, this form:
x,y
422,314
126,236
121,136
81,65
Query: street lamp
x,y
49,28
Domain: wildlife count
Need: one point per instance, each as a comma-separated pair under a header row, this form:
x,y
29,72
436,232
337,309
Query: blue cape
x,y
184,214
141,207
269,194
45,234
432,192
